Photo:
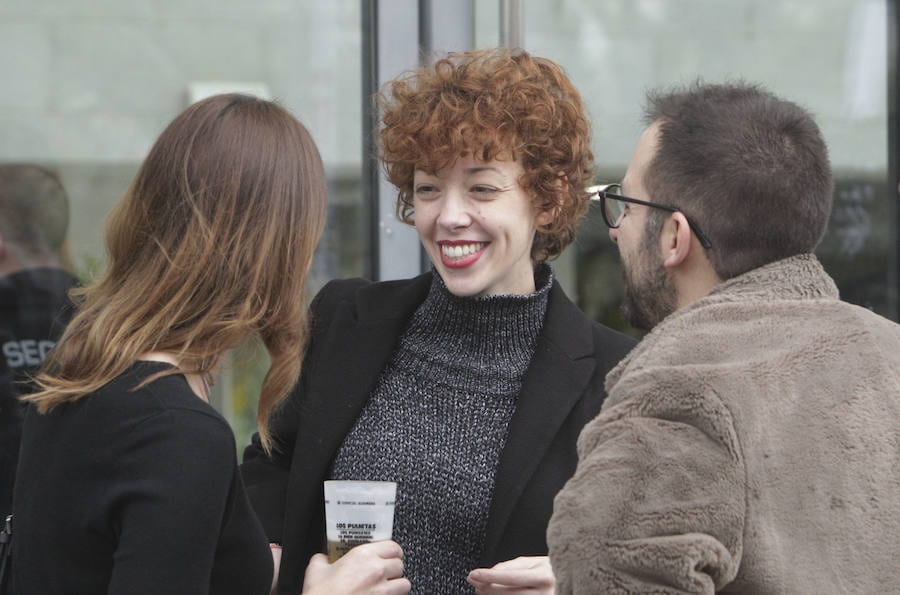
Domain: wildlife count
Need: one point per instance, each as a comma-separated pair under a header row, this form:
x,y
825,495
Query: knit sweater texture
x,y
437,422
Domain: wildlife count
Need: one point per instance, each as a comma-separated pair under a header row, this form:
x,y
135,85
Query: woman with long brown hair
x,y
128,480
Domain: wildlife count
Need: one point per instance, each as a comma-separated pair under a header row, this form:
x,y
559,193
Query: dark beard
x,y
649,291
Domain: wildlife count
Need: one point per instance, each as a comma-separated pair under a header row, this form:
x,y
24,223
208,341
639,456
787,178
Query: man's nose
x,y
614,234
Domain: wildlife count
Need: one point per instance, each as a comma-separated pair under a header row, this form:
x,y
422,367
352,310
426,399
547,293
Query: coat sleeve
x,y
657,501
266,475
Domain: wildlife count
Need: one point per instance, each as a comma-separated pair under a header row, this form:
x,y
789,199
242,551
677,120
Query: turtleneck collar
x,y
494,326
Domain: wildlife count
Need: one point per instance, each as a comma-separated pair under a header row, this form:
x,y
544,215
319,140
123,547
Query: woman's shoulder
x,y
369,295
612,339
567,317
339,289
129,425
346,288
130,396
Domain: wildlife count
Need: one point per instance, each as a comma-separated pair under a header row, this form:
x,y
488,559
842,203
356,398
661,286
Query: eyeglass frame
x,y
601,192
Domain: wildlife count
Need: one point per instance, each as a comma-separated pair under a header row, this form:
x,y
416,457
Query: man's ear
x,y
676,240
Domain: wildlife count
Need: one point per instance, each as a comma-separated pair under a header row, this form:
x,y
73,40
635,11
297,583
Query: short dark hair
x,y
34,207
751,168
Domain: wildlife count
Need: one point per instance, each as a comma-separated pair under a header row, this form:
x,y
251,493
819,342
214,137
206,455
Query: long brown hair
x,y
211,243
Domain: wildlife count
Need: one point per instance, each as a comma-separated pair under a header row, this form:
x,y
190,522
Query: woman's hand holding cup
x,y
375,567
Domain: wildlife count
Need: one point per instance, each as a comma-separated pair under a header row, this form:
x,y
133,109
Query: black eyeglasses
x,y
613,206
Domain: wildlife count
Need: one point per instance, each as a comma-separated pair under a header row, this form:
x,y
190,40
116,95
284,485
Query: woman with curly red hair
x,y
468,385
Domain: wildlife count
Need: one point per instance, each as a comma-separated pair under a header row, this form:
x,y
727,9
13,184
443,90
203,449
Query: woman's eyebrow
x,y
480,168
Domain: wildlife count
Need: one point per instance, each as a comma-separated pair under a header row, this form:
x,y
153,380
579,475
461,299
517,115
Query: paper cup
x,y
357,512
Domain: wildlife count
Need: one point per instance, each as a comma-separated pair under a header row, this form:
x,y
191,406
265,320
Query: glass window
x,y
828,56
89,85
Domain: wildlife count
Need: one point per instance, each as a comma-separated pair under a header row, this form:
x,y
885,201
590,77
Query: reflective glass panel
x,y
830,56
89,85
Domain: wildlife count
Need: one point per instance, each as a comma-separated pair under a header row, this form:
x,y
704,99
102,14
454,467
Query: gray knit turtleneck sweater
x,y
437,422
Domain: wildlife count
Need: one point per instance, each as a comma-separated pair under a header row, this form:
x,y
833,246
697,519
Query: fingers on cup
x,y
400,586
386,549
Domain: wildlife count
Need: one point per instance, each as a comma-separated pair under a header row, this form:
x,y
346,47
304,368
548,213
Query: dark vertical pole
x,y
893,105
444,27
390,47
369,118
426,49
425,32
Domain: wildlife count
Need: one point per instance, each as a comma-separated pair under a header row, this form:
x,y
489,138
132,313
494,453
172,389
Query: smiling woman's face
x,y
477,225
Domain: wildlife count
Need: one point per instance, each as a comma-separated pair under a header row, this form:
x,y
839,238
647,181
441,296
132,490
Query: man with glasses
x,y
750,442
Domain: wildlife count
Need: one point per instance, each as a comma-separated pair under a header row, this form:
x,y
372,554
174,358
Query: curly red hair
x,y
493,104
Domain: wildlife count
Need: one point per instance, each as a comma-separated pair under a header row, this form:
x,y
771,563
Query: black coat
x,y
356,328
134,491
34,309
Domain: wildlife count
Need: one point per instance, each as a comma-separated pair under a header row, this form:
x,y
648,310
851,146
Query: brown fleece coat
x,y
749,444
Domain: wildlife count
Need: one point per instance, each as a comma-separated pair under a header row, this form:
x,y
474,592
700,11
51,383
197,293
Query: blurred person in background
x,y
34,302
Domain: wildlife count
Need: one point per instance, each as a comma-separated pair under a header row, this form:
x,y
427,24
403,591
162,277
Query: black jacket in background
x,y
34,309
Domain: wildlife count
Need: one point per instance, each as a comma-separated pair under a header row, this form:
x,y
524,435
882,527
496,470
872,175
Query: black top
x,y
34,309
134,491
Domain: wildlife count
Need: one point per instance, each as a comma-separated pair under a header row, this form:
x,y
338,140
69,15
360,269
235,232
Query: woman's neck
x,y
199,383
